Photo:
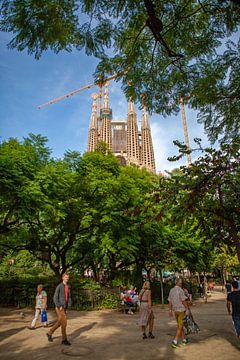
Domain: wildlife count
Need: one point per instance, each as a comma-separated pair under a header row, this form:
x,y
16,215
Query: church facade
x,y
127,142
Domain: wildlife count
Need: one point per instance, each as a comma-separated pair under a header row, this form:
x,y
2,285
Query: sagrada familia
x,y
129,144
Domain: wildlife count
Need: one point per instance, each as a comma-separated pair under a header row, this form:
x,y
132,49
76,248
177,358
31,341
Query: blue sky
x,y
26,83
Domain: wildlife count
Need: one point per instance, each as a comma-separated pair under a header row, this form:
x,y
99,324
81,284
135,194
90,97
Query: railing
x,y
23,295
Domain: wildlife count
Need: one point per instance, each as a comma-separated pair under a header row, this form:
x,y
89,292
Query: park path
x,y
112,335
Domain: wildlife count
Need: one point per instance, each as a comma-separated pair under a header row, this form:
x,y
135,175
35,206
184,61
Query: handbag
x,y
43,316
190,325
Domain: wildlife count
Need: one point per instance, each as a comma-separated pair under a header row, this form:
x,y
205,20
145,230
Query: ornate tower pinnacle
x,y
131,108
106,96
133,148
147,154
106,119
92,135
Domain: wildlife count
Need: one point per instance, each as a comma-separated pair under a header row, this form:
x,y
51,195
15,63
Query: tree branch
x,y
156,27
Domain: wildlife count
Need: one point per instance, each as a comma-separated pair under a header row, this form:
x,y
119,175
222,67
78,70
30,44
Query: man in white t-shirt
x,y
178,306
41,304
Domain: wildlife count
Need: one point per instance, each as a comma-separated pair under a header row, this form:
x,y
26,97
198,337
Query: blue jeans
x,y
236,323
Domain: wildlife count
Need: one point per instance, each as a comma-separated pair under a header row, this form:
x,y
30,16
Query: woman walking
x,y
146,313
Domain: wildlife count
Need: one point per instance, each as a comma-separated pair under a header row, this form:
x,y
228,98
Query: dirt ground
x,y
112,335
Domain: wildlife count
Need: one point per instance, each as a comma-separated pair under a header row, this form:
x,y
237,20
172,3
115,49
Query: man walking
x,y
62,300
40,305
233,300
178,305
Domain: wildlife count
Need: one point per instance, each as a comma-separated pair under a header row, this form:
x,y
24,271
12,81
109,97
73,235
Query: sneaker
x,y
184,342
50,339
174,345
66,342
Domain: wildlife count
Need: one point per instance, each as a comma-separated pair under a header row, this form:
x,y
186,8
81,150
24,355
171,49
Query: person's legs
x,y
150,324
63,324
37,313
57,324
236,323
144,332
180,331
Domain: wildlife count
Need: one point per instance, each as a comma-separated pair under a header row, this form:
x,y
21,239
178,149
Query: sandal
x,y
151,336
144,336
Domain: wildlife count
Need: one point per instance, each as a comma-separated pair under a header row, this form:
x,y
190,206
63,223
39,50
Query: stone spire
x,y
106,96
106,118
133,149
147,154
92,134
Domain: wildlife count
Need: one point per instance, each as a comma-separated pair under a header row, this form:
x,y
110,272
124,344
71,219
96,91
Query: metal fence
x,y
23,295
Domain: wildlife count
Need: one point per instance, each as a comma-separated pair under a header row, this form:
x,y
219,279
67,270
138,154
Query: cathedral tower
x,y
130,145
147,154
133,149
93,132
106,118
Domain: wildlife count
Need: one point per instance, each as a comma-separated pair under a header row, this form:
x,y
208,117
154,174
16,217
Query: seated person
x,y
126,299
211,286
134,295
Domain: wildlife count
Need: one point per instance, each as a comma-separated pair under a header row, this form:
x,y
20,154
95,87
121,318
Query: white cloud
x,y
163,147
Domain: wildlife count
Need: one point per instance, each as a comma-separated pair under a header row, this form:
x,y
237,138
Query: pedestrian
x,y
146,313
187,294
62,300
201,289
233,301
178,306
228,287
40,305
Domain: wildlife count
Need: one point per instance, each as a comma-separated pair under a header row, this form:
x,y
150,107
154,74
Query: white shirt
x,y
176,297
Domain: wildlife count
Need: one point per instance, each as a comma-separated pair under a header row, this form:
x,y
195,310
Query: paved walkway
x,y
112,335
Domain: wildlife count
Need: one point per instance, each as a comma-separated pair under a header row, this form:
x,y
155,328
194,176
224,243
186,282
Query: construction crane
x,y
74,92
185,130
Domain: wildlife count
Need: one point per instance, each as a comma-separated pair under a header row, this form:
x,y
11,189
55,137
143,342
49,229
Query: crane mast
x,y
185,130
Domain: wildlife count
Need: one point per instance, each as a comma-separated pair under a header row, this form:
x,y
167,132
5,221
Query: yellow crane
x,y
100,83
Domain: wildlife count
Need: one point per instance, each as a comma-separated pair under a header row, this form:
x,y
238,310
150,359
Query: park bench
x,y
125,308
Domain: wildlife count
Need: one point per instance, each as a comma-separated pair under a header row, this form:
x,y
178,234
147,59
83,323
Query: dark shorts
x,y
236,323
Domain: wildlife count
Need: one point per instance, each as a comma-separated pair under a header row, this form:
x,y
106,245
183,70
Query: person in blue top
x,y
233,306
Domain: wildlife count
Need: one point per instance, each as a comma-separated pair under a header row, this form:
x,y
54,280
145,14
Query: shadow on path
x,y
10,332
81,330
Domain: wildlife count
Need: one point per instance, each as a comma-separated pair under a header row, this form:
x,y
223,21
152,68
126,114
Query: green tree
x,y
19,163
209,189
165,49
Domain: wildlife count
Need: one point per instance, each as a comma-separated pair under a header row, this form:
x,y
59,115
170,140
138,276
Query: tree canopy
x,y
88,211
210,190
164,49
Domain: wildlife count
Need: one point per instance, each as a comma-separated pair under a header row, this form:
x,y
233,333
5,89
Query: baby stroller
x,y
190,325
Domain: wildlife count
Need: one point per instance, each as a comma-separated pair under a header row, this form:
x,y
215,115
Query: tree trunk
x,y
205,289
161,285
137,275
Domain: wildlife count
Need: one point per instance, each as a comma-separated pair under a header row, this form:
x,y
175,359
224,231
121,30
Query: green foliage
x,y
88,212
110,301
209,191
165,49
36,23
